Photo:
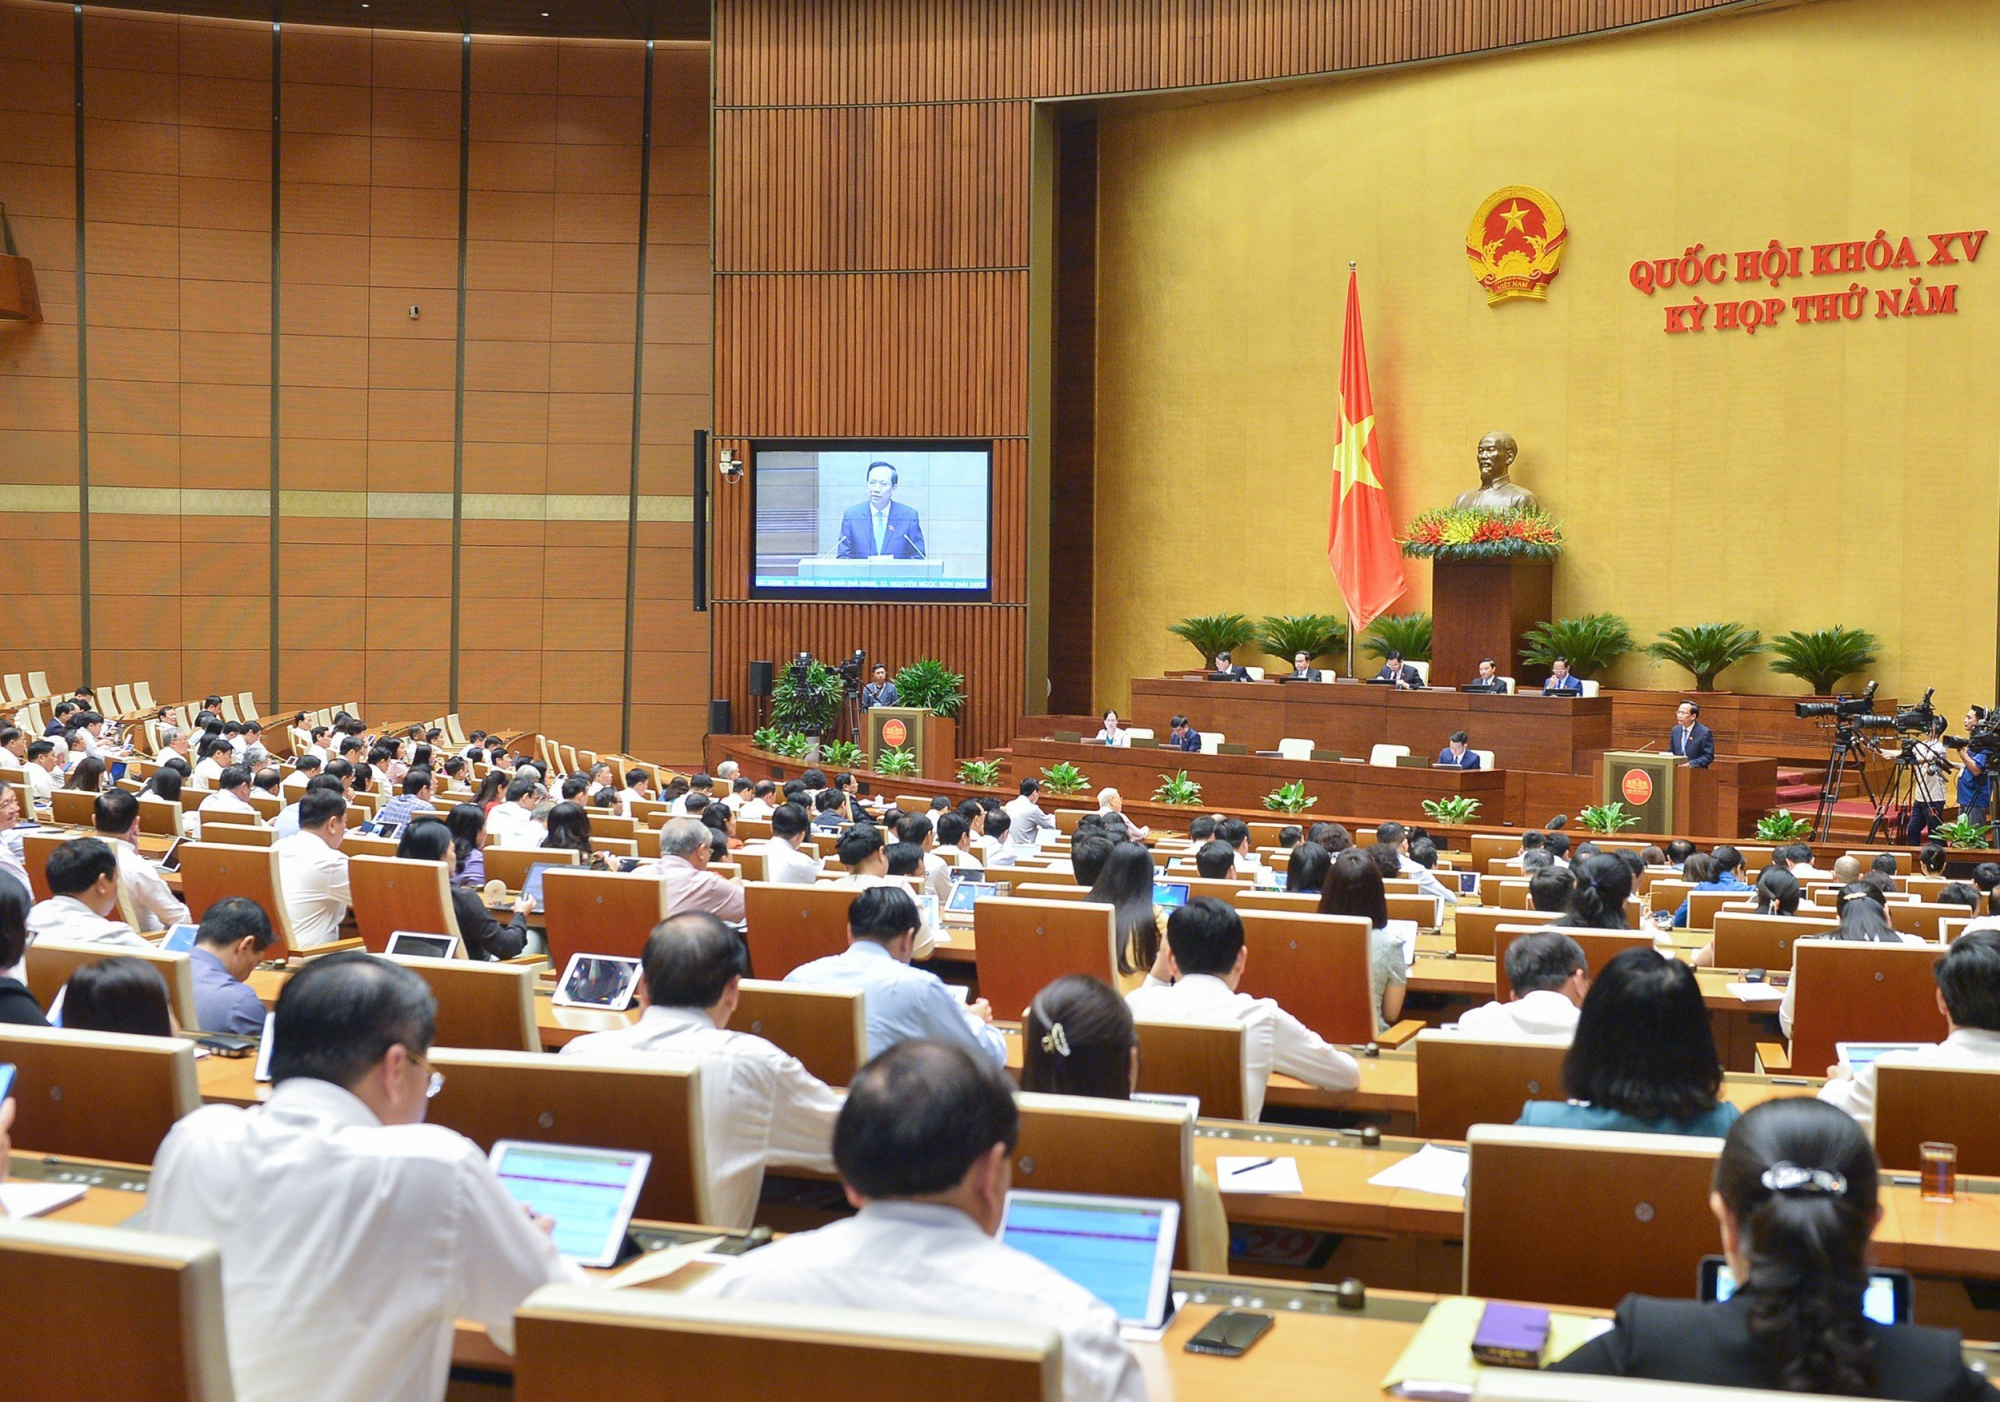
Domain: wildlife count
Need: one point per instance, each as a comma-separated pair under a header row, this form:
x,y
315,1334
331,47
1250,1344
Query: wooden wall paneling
x,y
1073,427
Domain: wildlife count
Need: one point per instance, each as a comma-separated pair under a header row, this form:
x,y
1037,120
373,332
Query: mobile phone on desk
x,y
1230,1333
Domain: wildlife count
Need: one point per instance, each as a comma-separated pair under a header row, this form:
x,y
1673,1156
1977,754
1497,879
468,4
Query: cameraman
x,y
1929,765
1975,785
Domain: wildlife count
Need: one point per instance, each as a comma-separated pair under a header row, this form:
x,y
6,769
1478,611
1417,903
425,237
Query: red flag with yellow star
x,y
1361,540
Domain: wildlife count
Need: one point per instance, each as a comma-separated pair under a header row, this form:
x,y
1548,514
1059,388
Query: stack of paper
x,y
21,1199
1247,1174
1429,1170
1757,992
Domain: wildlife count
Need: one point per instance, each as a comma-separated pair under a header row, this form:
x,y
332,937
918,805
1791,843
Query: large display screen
x,y
872,520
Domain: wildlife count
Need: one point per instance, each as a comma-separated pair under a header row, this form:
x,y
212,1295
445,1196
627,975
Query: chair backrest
x,y
1860,991
1634,1211
1589,686
1385,756
117,1314
121,700
1315,967
1111,1148
590,912
1507,892
787,926
398,893
49,963
1412,906
1599,948
1703,905
238,835
211,871
358,844
1474,925
1021,946
1049,891
1667,893
160,817
73,807
825,1028
1194,1058
1464,1079
1746,940
97,1095
1296,749
1487,759
35,850
510,864
1211,740
576,1344
1922,917
481,1004
493,1095
1916,1103
1296,902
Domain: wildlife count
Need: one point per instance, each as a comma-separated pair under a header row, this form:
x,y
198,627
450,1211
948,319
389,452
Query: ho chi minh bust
x,y
1497,492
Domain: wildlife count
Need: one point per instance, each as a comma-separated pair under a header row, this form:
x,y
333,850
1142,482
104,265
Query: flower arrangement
x,y
1461,533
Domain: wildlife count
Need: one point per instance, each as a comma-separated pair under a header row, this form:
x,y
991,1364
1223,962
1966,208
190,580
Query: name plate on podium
x,y
1644,782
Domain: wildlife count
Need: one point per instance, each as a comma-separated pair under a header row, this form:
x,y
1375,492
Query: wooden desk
x,y
1241,781
114,1193
1524,732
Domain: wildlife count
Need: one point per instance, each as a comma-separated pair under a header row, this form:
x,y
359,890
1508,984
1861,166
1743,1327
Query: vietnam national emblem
x,y
1516,242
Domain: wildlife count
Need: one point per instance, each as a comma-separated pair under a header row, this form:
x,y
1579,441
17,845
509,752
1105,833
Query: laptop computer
x,y
589,1192
1172,894
1119,1249
531,884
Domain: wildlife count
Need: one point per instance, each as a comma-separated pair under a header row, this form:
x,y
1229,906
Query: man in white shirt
x,y
116,818
1111,805
173,745
1799,861
954,841
738,795
1234,834
1550,977
1026,821
784,863
83,882
216,755
10,839
232,795
923,1146
1202,962
352,1235
43,779
759,804
511,823
639,788
1968,980
312,870
1394,835
916,829
758,1105
699,784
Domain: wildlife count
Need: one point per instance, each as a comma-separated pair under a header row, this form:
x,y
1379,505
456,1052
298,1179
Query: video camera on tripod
x,y
1847,712
1982,741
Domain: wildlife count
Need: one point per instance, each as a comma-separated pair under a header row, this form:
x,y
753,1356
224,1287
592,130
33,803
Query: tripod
x,y
1905,789
1847,742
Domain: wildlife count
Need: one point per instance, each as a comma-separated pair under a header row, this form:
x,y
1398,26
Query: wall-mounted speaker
x,y
761,676
718,717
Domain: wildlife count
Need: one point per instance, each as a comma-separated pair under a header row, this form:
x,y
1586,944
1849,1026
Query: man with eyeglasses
x,y
352,1234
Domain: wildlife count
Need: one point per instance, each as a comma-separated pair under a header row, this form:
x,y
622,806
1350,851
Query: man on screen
x,y
881,525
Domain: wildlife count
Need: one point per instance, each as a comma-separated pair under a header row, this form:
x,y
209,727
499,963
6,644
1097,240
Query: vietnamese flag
x,y
1360,540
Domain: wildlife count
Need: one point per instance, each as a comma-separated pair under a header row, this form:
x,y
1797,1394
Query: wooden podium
x,y
934,739
1482,608
1644,782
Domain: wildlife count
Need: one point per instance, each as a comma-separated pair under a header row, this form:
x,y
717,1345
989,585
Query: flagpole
x,y
1351,265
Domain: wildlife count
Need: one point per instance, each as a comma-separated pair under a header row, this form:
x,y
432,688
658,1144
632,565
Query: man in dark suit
x,y
1227,671
1397,673
1459,754
880,691
1184,737
881,525
1691,742
1560,682
1302,667
1488,678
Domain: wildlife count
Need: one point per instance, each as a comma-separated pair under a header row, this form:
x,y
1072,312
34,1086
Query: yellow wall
x,y
1808,476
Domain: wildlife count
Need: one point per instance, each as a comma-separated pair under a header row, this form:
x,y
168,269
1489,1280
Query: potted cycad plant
x,y
1707,649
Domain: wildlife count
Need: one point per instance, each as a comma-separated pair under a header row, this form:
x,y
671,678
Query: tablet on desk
x,y
966,892
425,946
589,1193
1171,894
1855,1055
1885,1299
1119,1249
172,861
263,1071
598,981
531,884
179,939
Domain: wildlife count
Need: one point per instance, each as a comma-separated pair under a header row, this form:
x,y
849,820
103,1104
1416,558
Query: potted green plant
x,y
1783,825
1178,790
1064,779
1454,808
895,763
929,684
1962,833
1820,658
1289,798
1590,642
1707,649
1317,635
1212,633
981,773
1407,634
768,738
811,705
1606,818
840,754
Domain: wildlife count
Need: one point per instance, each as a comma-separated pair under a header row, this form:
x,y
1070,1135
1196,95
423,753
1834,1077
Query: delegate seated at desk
x,y
1458,753
1488,679
881,525
1560,682
1397,673
1184,737
1227,671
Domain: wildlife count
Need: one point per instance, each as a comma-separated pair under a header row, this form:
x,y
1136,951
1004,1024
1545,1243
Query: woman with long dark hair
x,y
1125,883
1796,1195
1353,886
569,830
1305,871
429,840
1602,885
467,825
1643,1058
87,774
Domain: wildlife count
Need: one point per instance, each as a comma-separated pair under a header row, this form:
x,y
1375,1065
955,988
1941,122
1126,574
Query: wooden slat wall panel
x,y
984,642
937,186
777,52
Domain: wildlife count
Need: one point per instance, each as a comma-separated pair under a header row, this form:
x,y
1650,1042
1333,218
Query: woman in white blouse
x,y
1113,733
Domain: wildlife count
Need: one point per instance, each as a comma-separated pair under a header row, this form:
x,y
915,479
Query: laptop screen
x,y
966,892
1856,1055
589,1192
1119,1249
1170,893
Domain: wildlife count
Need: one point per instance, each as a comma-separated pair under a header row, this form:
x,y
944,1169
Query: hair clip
x,y
1055,1041
1790,1178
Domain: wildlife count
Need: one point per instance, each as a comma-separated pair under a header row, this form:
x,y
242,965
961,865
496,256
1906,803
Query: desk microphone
x,y
1647,746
